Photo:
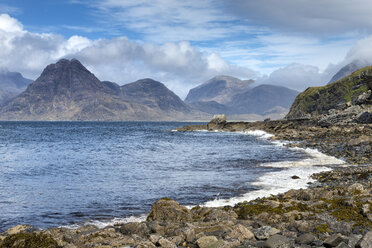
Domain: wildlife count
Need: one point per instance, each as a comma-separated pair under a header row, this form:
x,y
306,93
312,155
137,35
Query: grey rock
x,y
306,239
333,240
207,241
140,229
366,241
364,117
278,241
265,232
343,245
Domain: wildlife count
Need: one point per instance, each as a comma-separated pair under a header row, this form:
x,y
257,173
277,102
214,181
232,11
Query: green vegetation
x,y
29,240
322,228
318,100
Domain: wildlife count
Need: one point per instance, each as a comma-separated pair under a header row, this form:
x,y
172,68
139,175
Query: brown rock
x,y
167,210
241,233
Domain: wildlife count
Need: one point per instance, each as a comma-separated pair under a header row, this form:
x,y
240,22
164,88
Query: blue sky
x,y
295,43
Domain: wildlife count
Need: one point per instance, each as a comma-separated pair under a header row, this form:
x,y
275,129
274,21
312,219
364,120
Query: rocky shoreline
x,y
335,211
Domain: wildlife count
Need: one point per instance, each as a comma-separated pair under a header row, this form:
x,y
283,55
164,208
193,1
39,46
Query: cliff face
x,y
66,90
354,90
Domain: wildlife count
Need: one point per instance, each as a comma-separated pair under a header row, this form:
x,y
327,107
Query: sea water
x,y
73,173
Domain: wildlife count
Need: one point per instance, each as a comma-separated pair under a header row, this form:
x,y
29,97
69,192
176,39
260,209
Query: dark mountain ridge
x,y
66,90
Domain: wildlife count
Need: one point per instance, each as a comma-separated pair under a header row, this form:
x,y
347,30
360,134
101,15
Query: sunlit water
x,y
64,173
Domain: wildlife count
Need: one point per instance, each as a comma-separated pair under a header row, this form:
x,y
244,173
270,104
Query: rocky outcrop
x,y
167,210
339,102
66,90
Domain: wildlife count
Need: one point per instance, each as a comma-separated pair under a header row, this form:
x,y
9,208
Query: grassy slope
x,y
318,100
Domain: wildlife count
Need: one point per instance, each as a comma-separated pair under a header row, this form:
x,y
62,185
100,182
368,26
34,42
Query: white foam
x,y
112,222
279,182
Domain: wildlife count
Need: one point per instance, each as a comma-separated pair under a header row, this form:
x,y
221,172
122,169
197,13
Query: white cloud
x,y
296,76
362,50
179,65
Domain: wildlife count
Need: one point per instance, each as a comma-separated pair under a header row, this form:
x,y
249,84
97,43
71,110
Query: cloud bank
x,y
179,65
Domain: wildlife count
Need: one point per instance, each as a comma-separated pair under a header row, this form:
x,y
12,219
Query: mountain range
x,y
66,90
237,98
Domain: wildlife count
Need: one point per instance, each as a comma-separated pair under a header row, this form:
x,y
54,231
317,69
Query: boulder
x,y
240,233
265,232
333,240
206,241
217,122
165,243
364,117
167,210
278,241
366,241
140,229
305,239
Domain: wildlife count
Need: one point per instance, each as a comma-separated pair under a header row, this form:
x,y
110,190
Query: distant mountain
x,y
220,89
11,84
349,94
153,94
66,90
234,97
348,69
262,98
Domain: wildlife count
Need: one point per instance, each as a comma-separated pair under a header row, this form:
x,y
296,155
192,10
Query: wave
x,y
273,183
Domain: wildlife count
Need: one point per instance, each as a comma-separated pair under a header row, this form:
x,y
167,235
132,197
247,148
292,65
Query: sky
x,y
293,43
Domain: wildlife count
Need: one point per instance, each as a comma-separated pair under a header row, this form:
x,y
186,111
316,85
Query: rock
x,y
333,240
217,122
364,117
295,177
145,244
241,233
167,210
265,232
343,245
365,210
165,243
207,241
189,234
306,239
355,188
154,238
366,241
140,229
277,241
20,229
213,214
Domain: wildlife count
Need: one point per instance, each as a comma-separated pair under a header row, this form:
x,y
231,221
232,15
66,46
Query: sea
x,y
70,174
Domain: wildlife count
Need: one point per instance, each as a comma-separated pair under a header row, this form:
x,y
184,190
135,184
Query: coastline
x,y
341,198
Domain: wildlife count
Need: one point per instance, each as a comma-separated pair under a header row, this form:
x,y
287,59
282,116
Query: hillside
x,y
348,94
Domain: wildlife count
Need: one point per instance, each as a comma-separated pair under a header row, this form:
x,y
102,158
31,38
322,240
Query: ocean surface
x,y
74,173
